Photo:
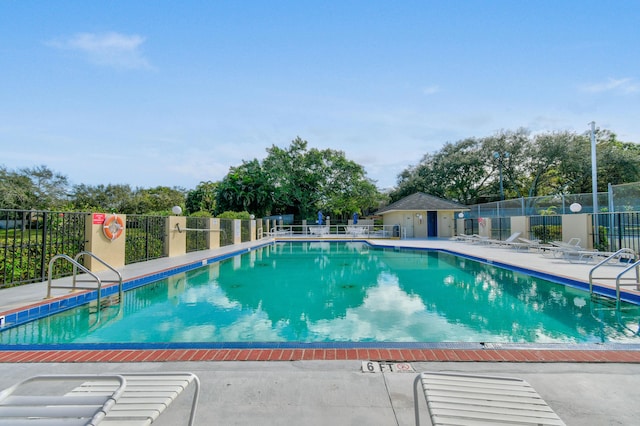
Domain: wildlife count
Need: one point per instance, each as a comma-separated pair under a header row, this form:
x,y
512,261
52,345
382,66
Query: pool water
x,y
330,291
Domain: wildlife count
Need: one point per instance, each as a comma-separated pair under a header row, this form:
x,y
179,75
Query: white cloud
x,y
620,85
431,90
108,49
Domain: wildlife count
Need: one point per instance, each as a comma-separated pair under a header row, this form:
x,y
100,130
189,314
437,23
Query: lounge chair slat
x,y
439,416
43,422
520,410
54,400
467,399
49,411
491,403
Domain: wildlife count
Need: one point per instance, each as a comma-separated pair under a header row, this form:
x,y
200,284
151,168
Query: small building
x,y
422,216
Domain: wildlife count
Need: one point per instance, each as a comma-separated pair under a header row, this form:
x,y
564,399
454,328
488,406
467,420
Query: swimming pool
x,y
341,292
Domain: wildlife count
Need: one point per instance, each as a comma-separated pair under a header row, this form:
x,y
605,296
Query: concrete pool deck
x,y
336,393
308,388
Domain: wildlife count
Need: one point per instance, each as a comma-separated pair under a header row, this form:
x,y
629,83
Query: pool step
x,y
105,302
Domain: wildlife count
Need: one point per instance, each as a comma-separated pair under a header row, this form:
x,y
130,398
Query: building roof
x,y
422,202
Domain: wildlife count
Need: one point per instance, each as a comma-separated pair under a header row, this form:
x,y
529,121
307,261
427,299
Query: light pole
x,y
500,156
594,168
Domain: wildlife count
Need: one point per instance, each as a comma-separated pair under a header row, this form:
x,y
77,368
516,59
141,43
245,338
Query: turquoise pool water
x,y
329,291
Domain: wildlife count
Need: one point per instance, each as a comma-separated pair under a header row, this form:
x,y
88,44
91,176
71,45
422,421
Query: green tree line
x,y
300,180
468,171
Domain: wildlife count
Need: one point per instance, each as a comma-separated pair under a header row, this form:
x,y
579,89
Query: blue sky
x,y
152,93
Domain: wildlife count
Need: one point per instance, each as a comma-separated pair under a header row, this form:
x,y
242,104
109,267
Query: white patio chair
x,y
457,399
131,399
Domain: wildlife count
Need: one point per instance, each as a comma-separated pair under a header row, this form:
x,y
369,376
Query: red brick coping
x,y
398,355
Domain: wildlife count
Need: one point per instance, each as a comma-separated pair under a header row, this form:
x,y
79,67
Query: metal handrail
x,y
636,281
180,230
77,266
119,281
635,265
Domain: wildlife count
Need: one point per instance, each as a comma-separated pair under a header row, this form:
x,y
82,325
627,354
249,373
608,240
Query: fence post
x,y
237,231
214,233
577,226
110,251
484,226
176,236
252,230
519,224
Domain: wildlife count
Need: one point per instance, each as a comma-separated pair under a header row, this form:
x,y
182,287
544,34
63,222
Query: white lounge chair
x,y
319,230
527,244
559,248
28,402
469,399
129,399
512,238
461,237
474,239
356,231
587,256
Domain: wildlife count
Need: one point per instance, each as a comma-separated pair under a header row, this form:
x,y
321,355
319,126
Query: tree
x,y
297,176
550,163
307,180
617,161
109,198
33,188
458,172
202,198
49,188
245,188
158,200
16,191
347,189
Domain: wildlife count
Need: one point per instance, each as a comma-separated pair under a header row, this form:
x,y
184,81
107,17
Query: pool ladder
x,y
622,279
74,285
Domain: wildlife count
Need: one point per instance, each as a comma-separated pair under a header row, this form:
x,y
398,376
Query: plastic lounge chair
x,y
29,402
461,237
139,400
559,248
512,238
526,244
145,397
475,239
586,256
457,399
356,231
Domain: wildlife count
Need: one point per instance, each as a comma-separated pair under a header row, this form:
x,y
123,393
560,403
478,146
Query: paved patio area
x,y
335,393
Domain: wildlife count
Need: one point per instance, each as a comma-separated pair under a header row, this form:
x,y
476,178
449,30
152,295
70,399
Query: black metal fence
x,y
470,227
500,227
145,238
226,232
197,240
29,239
613,231
245,231
545,228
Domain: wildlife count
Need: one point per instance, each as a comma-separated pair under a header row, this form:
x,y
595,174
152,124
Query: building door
x,y
408,226
432,224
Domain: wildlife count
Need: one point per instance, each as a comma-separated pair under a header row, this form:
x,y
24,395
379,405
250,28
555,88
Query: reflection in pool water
x,y
322,291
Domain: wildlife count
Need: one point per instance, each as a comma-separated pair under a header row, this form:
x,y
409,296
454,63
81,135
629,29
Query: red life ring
x,y
113,227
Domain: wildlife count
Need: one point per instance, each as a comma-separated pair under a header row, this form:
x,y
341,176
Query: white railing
x,y
333,231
